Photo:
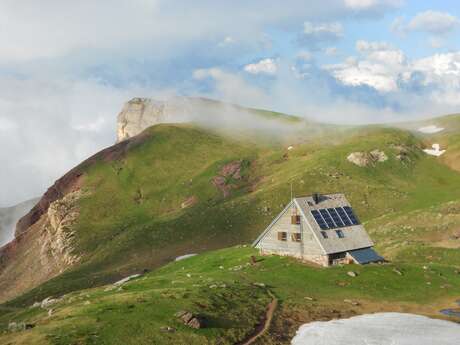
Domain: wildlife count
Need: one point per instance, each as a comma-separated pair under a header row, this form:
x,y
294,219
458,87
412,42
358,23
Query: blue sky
x,y
67,68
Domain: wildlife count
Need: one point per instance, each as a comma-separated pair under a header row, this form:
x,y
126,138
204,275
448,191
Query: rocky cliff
x,y
45,250
9,217
141,113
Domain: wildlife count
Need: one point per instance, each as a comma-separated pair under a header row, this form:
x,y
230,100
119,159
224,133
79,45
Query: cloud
x,y
316,34
264,66
375,6
435,23
51,127
433,80
379,67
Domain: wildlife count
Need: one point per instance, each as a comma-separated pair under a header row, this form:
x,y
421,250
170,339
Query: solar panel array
x,y
332,218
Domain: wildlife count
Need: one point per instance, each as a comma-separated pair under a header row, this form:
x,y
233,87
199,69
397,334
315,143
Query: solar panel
x,y
327,218
351,215
322,224
332,218
336,218
343,216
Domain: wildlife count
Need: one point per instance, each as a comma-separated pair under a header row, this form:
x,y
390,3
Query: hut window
x,y
296,237
295,219
340,233
282,236
324,233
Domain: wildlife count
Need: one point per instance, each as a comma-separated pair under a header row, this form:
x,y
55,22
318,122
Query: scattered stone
x,y
87,303
189,275
262,285
189,202
47,302
35,305
213,286
352,274
16,326
195,323
168,329
349,301
398,272
189,319
50,312
310,299
221,267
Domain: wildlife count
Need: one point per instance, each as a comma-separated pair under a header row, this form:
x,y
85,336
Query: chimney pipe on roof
x,y
316,198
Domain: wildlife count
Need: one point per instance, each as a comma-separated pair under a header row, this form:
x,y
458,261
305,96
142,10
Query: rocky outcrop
x,y
141,113
364,159
45,250
58,232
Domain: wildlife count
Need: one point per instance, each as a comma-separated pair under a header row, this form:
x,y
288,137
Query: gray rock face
x,y
141,113
10,216
364,159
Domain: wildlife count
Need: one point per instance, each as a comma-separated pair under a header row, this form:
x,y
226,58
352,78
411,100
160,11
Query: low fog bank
x,y
10,216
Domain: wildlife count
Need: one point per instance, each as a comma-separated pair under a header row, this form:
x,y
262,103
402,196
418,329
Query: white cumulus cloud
x,y
264,66
379,67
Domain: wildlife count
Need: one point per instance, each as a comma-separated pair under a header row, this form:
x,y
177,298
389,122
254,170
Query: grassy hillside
x,y
132,219
231,294
177,192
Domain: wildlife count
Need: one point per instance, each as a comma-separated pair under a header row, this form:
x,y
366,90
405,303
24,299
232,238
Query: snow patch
x,y
435,151
431,129
127,279
182,257
379,329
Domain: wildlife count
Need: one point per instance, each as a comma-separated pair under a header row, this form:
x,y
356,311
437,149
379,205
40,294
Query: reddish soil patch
x,y
229,172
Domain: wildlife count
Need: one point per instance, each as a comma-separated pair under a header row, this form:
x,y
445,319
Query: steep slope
x,y
9,216
178,189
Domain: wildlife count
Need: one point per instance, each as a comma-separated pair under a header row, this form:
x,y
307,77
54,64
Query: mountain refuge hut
x,y
320,228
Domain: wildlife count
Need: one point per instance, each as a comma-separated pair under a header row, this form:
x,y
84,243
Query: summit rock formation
x,y
141,113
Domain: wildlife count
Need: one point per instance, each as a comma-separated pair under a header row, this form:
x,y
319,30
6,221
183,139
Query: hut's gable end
x,y
285,238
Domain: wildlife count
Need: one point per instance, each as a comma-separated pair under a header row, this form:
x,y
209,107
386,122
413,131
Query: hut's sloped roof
x,y
354,236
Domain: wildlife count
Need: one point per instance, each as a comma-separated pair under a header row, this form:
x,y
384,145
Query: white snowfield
x,y
435,151
183,257
431,129
380,329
